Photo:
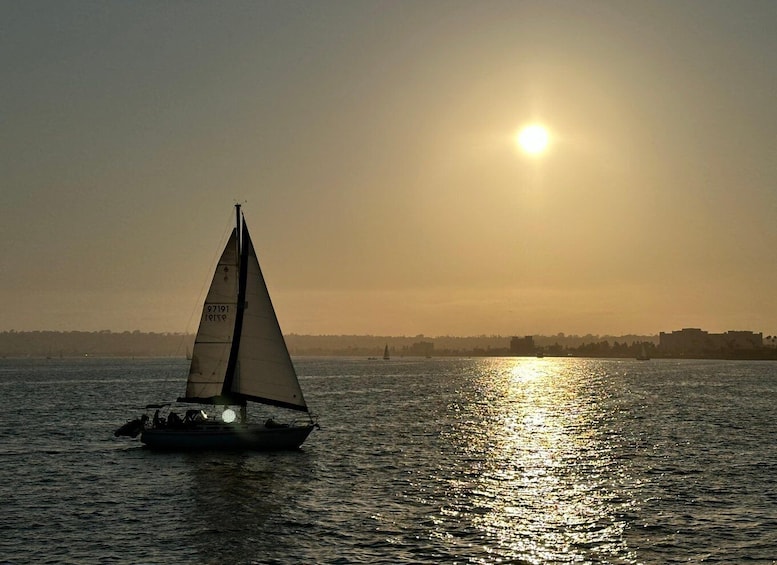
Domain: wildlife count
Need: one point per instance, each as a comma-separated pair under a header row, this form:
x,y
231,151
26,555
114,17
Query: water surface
x,y
418,461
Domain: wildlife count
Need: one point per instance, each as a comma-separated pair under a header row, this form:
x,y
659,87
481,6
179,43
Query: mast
x,y
229,378
237,226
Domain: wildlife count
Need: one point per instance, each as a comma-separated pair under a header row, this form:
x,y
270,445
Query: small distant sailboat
x,y
239,356
643,355
386,355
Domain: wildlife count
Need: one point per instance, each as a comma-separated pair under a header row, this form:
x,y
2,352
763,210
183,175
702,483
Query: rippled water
x,y
418,461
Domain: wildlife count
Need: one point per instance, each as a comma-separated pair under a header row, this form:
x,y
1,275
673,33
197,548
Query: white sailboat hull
x,y
214,436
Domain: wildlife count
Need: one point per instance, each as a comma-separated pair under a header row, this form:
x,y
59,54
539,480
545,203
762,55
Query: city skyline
x,y
376,148
685,343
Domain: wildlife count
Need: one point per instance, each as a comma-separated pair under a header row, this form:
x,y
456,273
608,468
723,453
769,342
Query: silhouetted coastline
x,y
104,343
53,344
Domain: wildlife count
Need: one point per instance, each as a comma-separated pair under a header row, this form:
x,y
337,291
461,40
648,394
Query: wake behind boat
x,y
239,356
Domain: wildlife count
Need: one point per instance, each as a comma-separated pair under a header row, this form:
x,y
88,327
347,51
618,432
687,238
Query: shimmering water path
x,y
418,461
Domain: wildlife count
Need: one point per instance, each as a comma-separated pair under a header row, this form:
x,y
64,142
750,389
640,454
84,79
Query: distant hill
x,y
98,344
141,344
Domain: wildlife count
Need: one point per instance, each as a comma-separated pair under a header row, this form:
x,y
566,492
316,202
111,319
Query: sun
x,y
533,139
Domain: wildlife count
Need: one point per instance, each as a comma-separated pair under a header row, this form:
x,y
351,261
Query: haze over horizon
x,y
374,146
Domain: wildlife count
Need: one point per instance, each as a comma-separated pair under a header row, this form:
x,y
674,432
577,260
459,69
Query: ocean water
x,y
418,461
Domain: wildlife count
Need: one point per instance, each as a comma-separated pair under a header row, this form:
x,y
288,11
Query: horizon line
x,y
416,336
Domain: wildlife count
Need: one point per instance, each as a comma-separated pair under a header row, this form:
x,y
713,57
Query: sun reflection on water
x,y
539,481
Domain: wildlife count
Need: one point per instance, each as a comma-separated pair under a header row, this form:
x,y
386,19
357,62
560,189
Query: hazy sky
x,y
373,145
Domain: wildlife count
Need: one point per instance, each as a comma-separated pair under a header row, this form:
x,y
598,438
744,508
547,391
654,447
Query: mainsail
x,y
264,371
239,352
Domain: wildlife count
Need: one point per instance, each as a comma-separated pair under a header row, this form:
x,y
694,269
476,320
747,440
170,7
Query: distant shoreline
x,y
463,355
79,344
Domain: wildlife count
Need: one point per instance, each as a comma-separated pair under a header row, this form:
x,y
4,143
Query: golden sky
x,y
373,144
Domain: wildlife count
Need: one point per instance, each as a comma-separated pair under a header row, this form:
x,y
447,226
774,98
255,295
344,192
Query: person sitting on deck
x,y
174,420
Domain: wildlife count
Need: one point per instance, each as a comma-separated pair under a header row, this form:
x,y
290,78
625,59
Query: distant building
x,y
522,346
743,340
422,349
695,340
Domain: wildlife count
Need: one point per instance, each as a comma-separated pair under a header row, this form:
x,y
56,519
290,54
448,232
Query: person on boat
x,y
174,420
158,422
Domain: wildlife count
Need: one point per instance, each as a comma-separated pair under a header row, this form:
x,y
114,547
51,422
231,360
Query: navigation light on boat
x,y
228,415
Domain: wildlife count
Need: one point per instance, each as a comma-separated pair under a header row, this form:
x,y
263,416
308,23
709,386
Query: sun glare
x,y
533,139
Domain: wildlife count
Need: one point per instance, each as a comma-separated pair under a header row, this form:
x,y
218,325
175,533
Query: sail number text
x,y
216,312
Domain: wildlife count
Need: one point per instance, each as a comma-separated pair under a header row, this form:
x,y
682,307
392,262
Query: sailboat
x,y
386,355
643,355
239,356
